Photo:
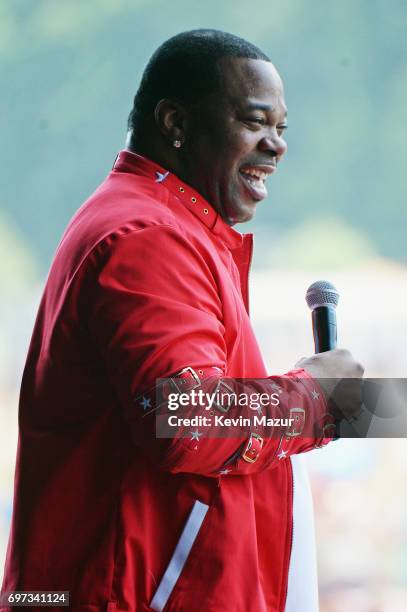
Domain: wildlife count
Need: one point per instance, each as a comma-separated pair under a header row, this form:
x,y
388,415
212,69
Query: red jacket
x,y
147,280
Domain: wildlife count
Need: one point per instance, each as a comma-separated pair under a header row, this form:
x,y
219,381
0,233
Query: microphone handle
x,y
324,328
325,338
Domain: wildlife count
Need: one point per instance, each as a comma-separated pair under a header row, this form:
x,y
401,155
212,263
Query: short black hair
x,y
184,69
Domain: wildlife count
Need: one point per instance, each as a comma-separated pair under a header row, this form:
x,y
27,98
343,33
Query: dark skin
x,y
236,128
228,138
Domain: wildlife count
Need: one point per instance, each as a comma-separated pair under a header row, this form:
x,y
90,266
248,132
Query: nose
x,y
274,145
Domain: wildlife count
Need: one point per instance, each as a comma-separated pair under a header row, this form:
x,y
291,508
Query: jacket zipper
x,y
291,505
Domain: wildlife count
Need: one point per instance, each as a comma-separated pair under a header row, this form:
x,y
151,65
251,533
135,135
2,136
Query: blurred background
x,y
336,210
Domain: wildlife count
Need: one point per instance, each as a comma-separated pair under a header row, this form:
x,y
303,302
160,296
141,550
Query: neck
x,y
159,152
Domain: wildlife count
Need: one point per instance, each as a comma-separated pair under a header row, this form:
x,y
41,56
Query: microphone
x,y
322,298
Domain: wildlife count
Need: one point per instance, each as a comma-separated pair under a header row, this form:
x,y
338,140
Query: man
x,y
150,280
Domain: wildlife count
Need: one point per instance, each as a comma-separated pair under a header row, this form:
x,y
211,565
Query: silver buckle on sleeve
x,y
194,375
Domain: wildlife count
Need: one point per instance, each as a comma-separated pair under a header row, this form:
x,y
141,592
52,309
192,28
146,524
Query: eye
x,y
255,120
281,128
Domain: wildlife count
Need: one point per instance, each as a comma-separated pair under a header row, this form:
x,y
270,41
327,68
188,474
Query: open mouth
x,y
254,178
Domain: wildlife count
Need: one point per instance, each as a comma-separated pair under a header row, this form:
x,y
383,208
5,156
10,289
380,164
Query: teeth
x,y
257,174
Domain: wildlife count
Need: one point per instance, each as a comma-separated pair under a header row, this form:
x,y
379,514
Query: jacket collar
x,y
127,161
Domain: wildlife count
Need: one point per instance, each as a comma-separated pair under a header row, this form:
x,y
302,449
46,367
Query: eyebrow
x,y
262,106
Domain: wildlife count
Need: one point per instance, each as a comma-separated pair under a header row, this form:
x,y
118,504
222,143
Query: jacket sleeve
x,y
154,311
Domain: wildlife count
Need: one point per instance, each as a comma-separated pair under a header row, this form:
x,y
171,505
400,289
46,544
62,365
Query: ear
x,y
171,120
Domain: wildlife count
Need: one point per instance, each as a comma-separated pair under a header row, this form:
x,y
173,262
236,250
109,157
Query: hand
x,y
340,377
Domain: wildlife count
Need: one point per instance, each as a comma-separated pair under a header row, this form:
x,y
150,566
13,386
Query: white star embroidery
x,y
283,454
224,472
276,388
146,403
195,435
315,394
161,176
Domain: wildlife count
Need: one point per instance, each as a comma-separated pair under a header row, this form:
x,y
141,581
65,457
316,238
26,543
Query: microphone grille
x,y
322,293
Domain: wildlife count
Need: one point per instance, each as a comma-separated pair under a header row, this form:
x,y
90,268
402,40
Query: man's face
x,y
234,138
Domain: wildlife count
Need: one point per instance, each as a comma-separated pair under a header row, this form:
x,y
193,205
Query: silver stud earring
x,y
177,144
